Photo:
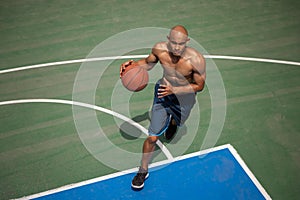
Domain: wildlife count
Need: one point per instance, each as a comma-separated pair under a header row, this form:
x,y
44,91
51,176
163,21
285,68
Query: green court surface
x,y
40,148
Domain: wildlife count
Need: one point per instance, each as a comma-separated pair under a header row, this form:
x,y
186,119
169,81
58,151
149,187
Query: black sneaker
x,y
139,179
171,130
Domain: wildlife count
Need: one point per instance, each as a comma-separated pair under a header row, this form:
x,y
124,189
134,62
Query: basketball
x,y
134,78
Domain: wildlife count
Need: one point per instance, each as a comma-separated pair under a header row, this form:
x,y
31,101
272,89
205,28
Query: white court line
x,y
157,164
70,62
143,56
253,59
163,148
98,108
249,173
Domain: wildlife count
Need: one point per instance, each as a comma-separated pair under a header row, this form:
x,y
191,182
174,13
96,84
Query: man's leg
x,y
142,175
148,149
172,129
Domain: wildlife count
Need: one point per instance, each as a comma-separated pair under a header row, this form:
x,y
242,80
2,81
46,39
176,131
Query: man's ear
x,y
168,37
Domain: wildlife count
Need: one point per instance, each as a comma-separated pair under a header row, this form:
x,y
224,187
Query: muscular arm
x,y
152,58
149,62
199,76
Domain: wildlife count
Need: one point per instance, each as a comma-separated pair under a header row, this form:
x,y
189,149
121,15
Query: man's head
x,y
177,39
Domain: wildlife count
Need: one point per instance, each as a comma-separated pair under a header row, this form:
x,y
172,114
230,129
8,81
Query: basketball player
x,y
183,76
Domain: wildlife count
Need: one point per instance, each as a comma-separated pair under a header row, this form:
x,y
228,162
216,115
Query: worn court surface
x,y
194,176
39,146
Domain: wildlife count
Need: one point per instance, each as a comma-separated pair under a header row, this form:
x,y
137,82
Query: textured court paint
x,y
98,108
47,31
211,174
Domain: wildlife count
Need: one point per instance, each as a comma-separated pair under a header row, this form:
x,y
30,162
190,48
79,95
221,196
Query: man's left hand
x,y
165,89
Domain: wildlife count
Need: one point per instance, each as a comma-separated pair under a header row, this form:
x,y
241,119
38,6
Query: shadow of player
x,y
129,131
181,131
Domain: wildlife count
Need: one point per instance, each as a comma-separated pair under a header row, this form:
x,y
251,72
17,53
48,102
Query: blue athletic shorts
x,y
176,106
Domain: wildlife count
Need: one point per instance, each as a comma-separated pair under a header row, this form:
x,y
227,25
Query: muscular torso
x,y
177,70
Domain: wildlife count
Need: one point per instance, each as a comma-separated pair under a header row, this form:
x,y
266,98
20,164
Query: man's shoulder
x,y
160,46
194,57
191,52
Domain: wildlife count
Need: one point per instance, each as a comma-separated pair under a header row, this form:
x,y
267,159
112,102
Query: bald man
x,y
174,94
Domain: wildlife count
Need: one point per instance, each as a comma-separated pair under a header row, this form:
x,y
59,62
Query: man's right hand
x,y
124,66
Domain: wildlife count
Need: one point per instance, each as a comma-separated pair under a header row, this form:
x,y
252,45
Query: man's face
x,y
177,43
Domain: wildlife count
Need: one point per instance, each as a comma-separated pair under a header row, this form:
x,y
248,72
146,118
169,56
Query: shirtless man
x,y
174,96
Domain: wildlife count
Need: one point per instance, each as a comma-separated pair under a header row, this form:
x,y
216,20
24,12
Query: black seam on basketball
x,y
143,81
140,83
133,77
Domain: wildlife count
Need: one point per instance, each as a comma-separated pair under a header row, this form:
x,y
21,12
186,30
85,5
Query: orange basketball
x,y
135,78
